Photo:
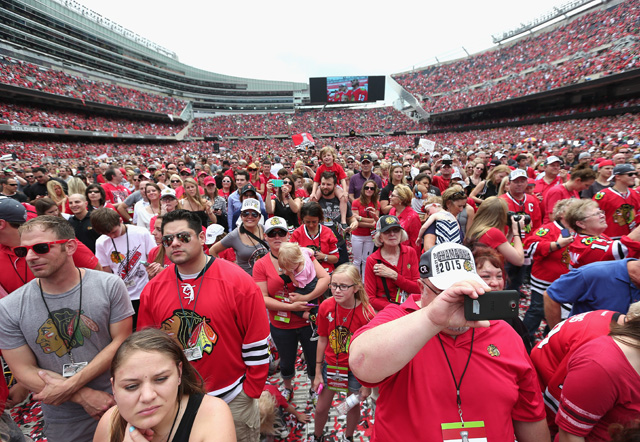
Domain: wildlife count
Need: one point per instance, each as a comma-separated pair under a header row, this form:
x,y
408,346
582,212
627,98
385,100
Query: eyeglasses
x,y
623,151
250,214
277,232
175,181
234,162
341,287
183,237
598,213
369,188
42,248
406,165
28,176
93,191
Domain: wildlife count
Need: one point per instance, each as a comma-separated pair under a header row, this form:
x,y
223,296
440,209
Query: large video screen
x,y
347,89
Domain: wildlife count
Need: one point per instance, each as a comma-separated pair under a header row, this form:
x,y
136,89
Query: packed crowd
x,y
31,76
600,42
26,115
385,119
350,253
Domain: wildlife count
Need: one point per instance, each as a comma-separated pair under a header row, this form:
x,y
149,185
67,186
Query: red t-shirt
x,y
275,392
493,238
264,271
440,182
555,194
338,324
542,187
357,207
325,242
410,222
336,168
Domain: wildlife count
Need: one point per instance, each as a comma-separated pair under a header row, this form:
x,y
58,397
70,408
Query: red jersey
x,y
336,168
551,355
153,253
619,209
360,95
586,249
548,263
529,205
115,194
555,194
601,388
406,283
338,324
325,242
209,313
410,222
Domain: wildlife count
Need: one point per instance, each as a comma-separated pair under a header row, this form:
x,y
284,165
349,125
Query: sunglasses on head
x,y
183,237
250,213
42,248
277,232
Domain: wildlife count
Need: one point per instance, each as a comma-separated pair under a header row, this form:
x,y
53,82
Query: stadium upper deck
x,y
73,35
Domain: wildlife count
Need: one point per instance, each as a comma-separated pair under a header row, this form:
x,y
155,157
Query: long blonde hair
x,y
492,213
360,294
194,201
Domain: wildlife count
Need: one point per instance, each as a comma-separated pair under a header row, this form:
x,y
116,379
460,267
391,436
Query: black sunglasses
x,y
183,237
369,188
284,182
277,232
42,248
175,181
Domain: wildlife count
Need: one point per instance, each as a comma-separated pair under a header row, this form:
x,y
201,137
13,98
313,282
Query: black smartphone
x,y
565,233
492,305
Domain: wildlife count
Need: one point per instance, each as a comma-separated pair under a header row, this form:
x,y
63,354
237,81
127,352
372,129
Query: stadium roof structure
x,y
77,37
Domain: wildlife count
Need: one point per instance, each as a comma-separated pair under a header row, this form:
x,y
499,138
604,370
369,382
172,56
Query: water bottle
x,y
348,404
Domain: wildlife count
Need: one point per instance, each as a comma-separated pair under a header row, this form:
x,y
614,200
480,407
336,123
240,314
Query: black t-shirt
x,y
331,209
84,232
18,196
386,191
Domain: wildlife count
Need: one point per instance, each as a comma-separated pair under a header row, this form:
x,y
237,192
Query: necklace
x,y
174,421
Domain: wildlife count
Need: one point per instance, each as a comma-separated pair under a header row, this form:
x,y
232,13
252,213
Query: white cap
x,y
250,204
168,191
552,159
448,263
213,232
517,173
275,222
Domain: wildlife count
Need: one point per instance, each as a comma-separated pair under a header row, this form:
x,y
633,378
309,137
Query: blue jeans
x,y
286,341
535,314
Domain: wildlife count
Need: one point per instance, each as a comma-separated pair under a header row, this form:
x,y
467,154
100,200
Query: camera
x,y
513,216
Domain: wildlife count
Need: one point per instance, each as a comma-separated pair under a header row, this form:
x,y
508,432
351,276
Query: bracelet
x,y
359,218
558,245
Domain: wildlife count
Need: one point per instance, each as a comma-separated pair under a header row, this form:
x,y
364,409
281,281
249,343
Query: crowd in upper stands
x,y
31,76
25,115
385,119
602,42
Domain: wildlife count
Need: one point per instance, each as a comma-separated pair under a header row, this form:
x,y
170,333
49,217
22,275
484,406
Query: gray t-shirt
x,y
246,256
25,321
132,199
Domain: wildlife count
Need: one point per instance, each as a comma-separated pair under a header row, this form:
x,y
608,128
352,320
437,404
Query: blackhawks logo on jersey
x,y
624,215
542,232
599,195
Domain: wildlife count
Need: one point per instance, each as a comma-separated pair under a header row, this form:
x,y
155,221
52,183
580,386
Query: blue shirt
x,y
598,286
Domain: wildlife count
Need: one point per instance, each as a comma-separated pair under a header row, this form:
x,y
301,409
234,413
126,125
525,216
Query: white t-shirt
x,y
128,268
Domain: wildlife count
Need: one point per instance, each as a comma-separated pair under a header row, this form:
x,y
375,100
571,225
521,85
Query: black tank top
x,y
186,423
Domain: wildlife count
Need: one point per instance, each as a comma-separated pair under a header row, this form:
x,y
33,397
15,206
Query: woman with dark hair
x,y
46,206
160,396
284,202
228,187
315,236
477,175
143,213
366,209
602,386
97,197
218,203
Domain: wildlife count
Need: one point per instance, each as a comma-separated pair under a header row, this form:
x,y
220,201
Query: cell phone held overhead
x,y
492,305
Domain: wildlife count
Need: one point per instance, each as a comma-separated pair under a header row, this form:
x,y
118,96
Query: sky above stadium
x,y
292,40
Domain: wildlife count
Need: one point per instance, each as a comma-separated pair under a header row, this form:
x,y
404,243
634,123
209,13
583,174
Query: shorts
x,y
354,385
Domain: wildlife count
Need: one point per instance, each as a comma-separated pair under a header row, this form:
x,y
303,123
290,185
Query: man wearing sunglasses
x,y
10,189
15,272
217,313
122,249
619,202
60,331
